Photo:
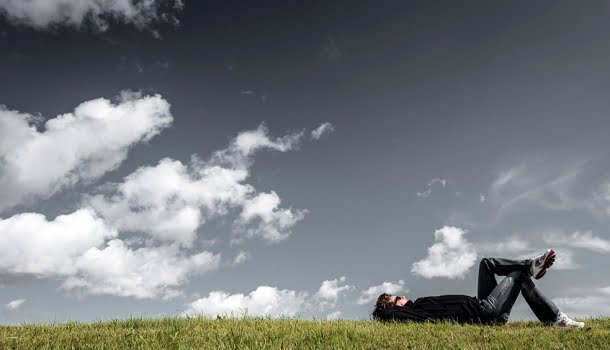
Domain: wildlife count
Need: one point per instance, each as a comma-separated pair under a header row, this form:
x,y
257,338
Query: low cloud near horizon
x,y
272,302
15,304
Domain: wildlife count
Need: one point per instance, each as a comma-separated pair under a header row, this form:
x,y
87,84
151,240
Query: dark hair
x,y
381,304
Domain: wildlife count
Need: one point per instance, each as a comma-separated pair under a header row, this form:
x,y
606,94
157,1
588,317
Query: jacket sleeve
x,y
403,314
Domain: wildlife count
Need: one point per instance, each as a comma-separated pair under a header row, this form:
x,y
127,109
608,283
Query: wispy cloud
x,y
518,248
584,240
321,130
450,257
331,50
587,303
241,257
428,191
15,304
550,184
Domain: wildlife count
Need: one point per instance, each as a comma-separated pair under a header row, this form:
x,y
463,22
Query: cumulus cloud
x,y
83,251
451,256
15,304
75,147
273,302
330,291
171,200
147,272
263,301
96,14
321,130
426,193
585,240
156,211
370,294
30,244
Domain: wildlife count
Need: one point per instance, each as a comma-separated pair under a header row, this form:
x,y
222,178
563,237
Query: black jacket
x,y
459,308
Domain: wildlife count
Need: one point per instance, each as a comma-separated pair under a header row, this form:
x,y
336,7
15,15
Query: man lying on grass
x,y
493,303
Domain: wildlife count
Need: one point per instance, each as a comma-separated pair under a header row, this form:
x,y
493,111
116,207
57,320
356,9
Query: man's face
x,y
397,300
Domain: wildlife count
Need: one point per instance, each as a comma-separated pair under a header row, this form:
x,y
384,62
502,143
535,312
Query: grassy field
x,y
260,333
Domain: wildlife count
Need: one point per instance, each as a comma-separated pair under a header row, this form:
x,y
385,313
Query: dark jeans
x,y
498,299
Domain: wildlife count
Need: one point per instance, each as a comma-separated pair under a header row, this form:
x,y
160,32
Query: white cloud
x,y
274,302
263,301
270,223
171,200
451,256
589,301
551,184
75,147
564,260
482,198
425,194
512,246
370,294
43,14
15,304
30,244
241,257
584,240
321,130
75,248
334,315
147,272
518,248
160,208
604,290
584,305
601,197
330,291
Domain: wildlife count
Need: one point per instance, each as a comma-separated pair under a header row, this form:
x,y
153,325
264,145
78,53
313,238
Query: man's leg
x,y
498,304
489,267
543,308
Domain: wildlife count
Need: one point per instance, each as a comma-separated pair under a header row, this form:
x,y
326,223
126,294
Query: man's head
x,y
386,301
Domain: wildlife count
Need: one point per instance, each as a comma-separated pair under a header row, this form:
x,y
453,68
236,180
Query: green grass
x,y
261,333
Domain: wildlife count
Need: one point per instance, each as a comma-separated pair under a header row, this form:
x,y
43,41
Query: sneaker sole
x,y
547,263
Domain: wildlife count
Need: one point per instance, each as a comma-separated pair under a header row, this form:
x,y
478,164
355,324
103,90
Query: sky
x,y
297,158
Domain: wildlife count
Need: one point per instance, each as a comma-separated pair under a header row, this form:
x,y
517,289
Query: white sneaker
x,y
563,321
541,263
